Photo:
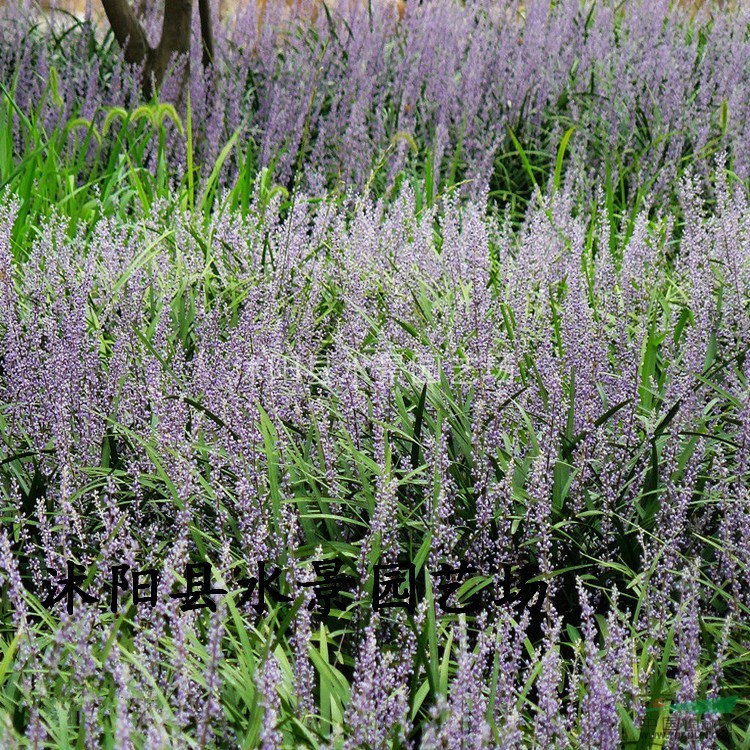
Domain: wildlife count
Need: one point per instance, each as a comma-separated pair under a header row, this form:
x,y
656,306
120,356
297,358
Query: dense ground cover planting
x,y
462,299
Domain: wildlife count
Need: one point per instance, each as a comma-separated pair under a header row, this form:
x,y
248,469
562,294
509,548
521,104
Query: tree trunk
x,y
175,37
207,35
127,30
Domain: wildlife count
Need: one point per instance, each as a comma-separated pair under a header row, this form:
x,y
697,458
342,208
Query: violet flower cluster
x,y
368,395
324,101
